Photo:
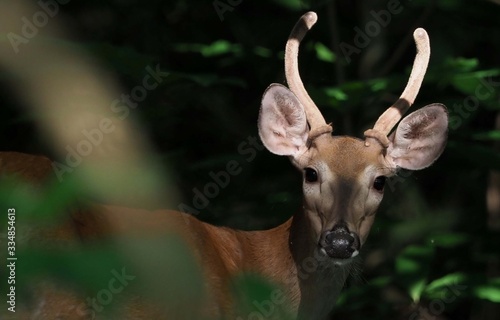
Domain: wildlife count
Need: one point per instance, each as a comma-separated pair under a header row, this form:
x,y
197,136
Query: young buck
x,y
310,255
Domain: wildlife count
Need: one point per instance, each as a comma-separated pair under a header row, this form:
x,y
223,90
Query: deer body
x,y
310,255
285,255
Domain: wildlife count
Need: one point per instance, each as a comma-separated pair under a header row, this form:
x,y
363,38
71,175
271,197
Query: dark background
x,y
435,241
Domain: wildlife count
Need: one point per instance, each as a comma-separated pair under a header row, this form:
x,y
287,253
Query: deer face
x,y
344,177
343,184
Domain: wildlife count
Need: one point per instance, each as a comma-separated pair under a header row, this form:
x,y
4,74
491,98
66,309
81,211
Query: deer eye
x,y
379,183
310,175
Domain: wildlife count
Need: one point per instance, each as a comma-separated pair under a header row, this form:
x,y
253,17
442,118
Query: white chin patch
x,y
323,251
339,262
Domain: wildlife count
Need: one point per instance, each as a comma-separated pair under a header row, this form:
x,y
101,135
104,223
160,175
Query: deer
x,y
309,256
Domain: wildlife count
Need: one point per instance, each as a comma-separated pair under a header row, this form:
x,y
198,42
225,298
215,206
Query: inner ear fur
x,y
282,122
420,138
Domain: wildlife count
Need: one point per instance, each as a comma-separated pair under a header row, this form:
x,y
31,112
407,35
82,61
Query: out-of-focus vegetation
x,y
433,251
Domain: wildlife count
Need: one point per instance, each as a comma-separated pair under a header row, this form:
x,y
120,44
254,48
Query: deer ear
x,y
420,138
282,122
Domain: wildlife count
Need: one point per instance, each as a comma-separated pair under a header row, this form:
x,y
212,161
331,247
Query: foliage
x,y
431,246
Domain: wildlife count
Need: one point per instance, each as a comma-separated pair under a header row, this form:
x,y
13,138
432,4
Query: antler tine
x,y
394,113
314,116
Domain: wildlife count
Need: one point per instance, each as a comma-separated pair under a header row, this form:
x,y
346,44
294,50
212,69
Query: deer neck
x,y
288,255
319,280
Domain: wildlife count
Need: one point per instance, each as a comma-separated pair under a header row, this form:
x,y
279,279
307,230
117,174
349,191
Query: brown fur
x,y
223,253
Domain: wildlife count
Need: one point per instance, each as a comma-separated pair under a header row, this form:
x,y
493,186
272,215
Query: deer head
x,y
344,177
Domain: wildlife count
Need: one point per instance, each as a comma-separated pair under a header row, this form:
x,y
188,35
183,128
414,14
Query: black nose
x,y
339,243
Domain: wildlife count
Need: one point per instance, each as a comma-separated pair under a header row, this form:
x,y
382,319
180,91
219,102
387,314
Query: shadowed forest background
x,y
433,250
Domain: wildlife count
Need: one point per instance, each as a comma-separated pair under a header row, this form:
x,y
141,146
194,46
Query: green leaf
x,y
468,82
291,4
381,282
406,265
446,281
462,64
216,48
489,135
413,266
490,291
208,79
377,85
448,240
59,195
336,93
416,289
219,47
18,194
324,53
253,293
263,52
278,197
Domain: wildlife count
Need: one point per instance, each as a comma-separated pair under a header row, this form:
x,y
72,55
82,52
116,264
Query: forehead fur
x,y
346,155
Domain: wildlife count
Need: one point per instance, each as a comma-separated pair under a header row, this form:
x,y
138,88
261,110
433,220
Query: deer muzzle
x,y
339,243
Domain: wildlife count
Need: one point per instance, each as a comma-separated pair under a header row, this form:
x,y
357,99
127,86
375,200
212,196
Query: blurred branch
x,y
490,310
493,191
